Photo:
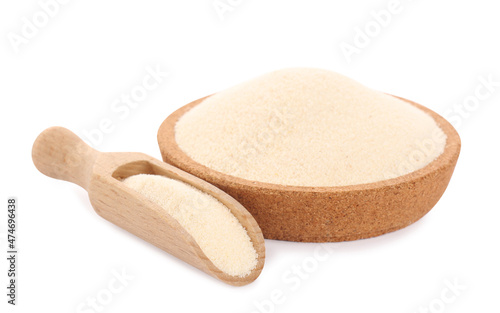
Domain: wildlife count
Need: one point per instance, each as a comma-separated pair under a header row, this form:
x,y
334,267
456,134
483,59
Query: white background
x,y
90,52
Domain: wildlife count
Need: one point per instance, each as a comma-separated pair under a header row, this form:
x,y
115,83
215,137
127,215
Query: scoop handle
x,y
59,153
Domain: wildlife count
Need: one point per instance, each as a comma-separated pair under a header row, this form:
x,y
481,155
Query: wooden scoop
x,y
59,153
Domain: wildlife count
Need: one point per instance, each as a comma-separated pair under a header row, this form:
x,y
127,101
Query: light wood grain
x,y
322,214
59,153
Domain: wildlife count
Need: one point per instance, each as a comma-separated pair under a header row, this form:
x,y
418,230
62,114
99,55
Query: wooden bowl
x,y
322,214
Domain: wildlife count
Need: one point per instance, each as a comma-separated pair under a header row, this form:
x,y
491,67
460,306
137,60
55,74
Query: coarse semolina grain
x,y
309,127
216,230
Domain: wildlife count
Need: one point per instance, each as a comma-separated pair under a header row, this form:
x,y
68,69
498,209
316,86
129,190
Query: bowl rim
x,y
168,146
